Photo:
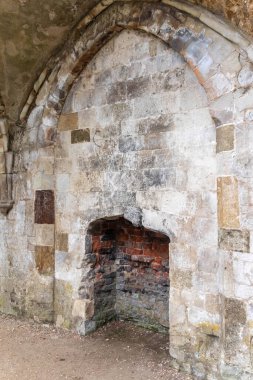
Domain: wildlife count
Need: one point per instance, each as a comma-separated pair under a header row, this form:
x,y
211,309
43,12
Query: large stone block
x,y
44,259
80,135
234,240
228,202
44,207
44,234
225,138
62,242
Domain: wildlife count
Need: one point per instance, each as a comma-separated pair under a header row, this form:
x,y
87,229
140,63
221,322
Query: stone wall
x,y
135,136
163,143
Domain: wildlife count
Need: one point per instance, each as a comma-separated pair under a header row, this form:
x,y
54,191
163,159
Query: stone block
x,y
44,207
80,135
116,93
62,242
228,202
2,163
225,138
235,315
44,259
234,240
138,87
44,234
83,309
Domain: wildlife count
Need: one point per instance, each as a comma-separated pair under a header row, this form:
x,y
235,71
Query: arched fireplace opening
x,y
129,271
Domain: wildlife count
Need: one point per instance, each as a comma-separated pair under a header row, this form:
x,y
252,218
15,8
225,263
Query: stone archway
x,y
197,262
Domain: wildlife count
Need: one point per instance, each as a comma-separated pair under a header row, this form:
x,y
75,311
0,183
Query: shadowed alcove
x,y
130,273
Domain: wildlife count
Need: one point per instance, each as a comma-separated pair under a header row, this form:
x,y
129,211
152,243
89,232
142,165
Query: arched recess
x,y
177,29
153,190
223,78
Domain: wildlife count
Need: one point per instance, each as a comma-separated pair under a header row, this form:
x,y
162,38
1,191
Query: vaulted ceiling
x,y
31,31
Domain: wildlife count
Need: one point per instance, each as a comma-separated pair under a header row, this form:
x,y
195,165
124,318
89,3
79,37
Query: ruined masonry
x,y
126,191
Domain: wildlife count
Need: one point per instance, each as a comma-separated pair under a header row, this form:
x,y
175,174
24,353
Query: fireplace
x,y
128,274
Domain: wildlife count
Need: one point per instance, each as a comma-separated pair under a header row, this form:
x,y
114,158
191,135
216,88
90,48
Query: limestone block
x,y
198,317
80,135
222,109
83,309
62,182
62,242
228,202
44,234
86,118
181,279
218,85
2,163
44,259
225,138
243,99
243,292
177,314
3,187
234,240
245,77
42,181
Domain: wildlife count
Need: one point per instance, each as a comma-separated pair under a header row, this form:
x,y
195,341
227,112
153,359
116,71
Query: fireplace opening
x,y
129,272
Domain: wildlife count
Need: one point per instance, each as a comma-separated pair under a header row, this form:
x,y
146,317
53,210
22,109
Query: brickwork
x,y
131,273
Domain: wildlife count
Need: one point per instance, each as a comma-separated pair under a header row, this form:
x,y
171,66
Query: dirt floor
x,y
118,351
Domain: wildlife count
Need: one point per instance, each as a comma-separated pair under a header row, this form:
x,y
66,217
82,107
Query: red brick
x,y
148,252
136,238
96,246
156,266
122,236
138,251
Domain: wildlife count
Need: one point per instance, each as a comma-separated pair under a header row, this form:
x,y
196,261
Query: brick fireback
x,y
130,272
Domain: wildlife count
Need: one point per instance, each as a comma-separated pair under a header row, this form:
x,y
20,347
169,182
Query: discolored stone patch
x,y
44,259
62,242
225,138
228,202
80,135
234,240
44,207
68,122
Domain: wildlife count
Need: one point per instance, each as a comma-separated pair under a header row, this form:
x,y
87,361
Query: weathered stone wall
x,y
141,136
136,134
